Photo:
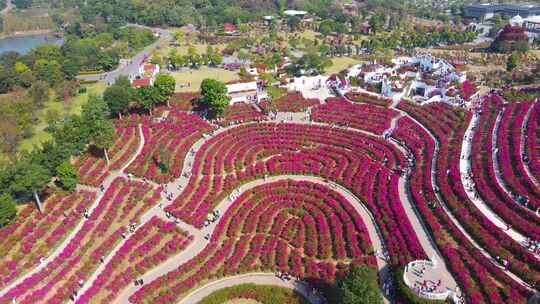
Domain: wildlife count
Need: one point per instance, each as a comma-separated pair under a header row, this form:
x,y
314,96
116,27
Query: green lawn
x,y
195,77
64,109
340,63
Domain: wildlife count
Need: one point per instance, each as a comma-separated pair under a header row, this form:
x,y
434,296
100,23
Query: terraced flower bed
x,y
166,144
481,281
368,98
302,228
293,102
509,156
35,235
240,112
359,116
485,179
94,169
123,203
366,165
150,245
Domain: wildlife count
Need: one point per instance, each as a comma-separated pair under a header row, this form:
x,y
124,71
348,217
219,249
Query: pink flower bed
x,y
301,228
241,112
509,155
93,170
368,98
489,189
34,235
533,141
248,152
470,268
168,142
294,102
359,116
152,244
123,203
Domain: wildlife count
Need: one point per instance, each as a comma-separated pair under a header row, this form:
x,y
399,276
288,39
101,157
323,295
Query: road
x,y
132,67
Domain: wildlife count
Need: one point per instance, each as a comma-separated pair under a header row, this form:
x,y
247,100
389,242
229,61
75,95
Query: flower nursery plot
x,y
35,235
123,203
532,141
303,228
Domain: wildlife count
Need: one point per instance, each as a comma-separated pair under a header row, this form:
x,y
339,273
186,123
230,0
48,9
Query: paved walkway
x,y
259,278
469,184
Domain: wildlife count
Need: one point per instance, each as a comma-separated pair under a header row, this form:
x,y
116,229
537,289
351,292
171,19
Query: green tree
x,y
214,96
67,175
8,209
119,95
165,85
95,116
512,62
359,286
149,97
29,179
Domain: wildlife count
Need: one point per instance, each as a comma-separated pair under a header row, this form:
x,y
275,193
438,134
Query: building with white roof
x,y
294,13
245,92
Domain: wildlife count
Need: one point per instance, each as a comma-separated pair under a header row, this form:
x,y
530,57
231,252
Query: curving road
x,y
132,66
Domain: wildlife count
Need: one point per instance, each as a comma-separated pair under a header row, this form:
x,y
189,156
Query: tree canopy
x,y
214,96
359,286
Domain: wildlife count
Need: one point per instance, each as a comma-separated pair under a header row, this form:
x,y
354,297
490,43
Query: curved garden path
x,y
522,142
259,278
199,243
469,184
106,184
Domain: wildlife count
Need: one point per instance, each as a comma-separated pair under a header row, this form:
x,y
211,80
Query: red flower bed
x,y
302,228
532,141
359,116
509,154
93,169
167,143
485,179
123,203
294,102
476,275
247,152
368,98
240,112
34,235
152,244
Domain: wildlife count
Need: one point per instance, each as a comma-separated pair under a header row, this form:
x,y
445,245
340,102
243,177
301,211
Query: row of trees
x,y
51,165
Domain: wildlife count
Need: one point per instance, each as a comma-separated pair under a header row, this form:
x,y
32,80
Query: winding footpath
x,y
469,184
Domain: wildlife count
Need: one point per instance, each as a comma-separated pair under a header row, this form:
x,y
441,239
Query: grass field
x,y
195,77
340,63
63,109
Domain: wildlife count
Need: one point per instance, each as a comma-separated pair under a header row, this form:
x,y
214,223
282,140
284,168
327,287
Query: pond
x,y
23,44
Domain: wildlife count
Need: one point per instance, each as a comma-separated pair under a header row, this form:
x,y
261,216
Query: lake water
x,y
24,44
